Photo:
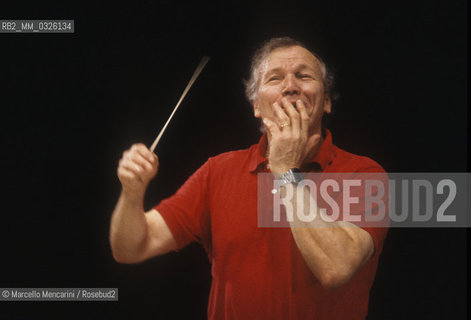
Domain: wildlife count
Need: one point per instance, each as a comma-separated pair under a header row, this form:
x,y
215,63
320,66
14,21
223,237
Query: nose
x,y
290,85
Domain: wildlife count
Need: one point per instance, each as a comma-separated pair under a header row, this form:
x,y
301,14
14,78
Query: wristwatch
x,y
293,176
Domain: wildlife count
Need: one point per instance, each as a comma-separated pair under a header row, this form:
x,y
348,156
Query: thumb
x,y
271,126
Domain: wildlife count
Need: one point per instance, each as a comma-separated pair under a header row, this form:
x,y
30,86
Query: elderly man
x,y
320,272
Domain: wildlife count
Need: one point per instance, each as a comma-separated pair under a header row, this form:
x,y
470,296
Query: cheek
x,y
268,93
317,99
265,102
266,111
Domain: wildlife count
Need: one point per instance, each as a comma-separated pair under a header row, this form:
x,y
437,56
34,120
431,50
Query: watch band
x,y
293,176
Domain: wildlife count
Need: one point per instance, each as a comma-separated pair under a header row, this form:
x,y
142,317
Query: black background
x,y
71,103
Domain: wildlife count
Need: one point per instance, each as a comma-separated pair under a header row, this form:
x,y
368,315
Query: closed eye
x,y
274,78
305,76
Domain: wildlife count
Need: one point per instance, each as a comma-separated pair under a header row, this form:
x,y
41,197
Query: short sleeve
x,y
362,199
378,194
187,211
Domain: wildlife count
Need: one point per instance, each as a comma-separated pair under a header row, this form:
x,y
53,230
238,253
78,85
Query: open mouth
x,y
294,105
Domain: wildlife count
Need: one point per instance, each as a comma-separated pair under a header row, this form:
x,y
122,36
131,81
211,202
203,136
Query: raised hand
x,y
136,169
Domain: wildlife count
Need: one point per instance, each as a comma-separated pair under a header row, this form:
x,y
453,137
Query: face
x,y
294,73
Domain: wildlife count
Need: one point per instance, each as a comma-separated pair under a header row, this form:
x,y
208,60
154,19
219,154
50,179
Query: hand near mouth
x,y
288,136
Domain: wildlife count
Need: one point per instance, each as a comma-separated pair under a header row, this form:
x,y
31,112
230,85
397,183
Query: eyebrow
x,y
278,69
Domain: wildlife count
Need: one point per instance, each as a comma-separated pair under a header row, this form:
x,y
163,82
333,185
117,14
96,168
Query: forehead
x,y
291,57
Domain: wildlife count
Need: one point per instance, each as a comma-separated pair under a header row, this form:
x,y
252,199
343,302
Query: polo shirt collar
x,y
323,157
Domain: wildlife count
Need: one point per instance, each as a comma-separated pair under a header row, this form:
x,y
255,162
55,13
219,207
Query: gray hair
x,y
260,56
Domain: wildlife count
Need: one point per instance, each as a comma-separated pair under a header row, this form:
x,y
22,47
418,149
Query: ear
x,y
327,104
256,110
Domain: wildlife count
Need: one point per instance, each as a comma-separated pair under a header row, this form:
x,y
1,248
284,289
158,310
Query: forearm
x,y
128,230
129,235
333,250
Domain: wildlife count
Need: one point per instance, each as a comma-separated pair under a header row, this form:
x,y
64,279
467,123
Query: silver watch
x,y
293,176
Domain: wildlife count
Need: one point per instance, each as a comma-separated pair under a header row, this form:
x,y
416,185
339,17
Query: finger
x,y
127,176
142,161
281,117
304,115
140,154
129,165
293,115
144,152
272,127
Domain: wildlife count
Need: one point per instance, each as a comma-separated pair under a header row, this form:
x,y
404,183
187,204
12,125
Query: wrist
x,y
132,198
279,170
290,176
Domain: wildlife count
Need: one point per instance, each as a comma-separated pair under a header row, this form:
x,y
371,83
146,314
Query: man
x,y
321,271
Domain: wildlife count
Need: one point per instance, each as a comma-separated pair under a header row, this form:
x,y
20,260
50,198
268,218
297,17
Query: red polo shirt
x,y
259,273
